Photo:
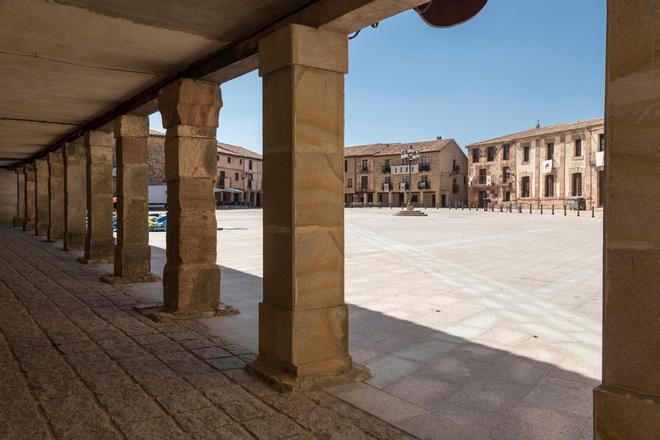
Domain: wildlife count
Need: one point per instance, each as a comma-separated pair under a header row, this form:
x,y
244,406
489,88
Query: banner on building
x,y
386,187
600,158
546,166
402,186
404,169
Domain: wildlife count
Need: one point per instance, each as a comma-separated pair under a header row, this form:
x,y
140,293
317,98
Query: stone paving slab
x,y
76,362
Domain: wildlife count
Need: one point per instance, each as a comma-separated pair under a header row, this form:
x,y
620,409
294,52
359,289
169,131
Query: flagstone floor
x,y
76,362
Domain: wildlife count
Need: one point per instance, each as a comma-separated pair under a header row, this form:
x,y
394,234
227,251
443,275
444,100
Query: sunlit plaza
x,y
479,324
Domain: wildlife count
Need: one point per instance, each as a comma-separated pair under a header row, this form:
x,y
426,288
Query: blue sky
x,y
516,62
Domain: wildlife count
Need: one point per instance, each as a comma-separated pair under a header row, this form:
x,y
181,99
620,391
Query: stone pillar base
x,y
116,279
18,222
158,314
93,261
74,241
29,226
619,414
283,381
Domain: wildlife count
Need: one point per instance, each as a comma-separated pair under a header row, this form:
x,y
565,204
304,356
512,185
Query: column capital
x,y
75,148
301,45
190,102
132,126
99,138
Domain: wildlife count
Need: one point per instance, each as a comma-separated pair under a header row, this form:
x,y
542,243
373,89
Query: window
x,y
578,147
388,180
505,151
576,188
601,142
240,161
345,166
424,164
406,180
228,159
475,155
236,177
387,162
549,185
505,174
350,183
250,165
525,186
365,165
364,182
526,153
550,151
490,152
454,186
482,177
425,179
222,179
507,196
464,180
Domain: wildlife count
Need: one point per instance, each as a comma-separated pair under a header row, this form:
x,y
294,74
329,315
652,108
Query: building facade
x,y
376,174
553,165
239,171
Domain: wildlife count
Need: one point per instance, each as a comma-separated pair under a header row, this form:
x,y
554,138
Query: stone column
x,y
627,404
99,242
30,215
55,196
191,278
132,252
75,195
303,320
41,190
20,196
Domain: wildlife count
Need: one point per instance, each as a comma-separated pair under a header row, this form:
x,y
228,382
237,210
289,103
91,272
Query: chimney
x,y
438,138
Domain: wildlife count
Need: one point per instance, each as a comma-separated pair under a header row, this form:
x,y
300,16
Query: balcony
x,y
363,189
424,167
424,185
363,169
386,169
387,186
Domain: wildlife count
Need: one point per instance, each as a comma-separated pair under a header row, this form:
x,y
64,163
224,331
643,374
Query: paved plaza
x,y
475,325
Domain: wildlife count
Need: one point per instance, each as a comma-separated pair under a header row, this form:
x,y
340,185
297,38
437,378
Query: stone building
x,y
376,174
546,165
239,171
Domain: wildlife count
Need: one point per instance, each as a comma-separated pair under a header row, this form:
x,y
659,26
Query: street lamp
x,y
408,156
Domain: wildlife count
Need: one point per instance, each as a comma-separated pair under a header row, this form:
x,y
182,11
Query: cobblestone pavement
x,y
77,362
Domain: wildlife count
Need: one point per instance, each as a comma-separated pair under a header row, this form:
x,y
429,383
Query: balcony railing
x,y
386,169
424,167
364,169
363,188
424,185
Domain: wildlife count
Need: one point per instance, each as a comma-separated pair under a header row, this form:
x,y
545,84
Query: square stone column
x,y
20,196
55,196
99,242
191,277
75,195
30,203
303,320
627,404
132,252
41,190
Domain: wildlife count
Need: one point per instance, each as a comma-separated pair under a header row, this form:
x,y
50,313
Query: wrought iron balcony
x,y
386,169
424,167
424,185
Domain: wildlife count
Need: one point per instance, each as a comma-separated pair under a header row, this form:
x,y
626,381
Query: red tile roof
x,y
395,148
541,131
223,148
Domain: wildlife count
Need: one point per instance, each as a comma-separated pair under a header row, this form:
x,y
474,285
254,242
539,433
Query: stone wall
x,y
156,159
8,197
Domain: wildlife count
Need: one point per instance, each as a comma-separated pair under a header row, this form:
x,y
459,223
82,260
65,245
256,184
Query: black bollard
x,y
501,208
530,208
520,209
510,207
564,210
553,209
578,210
541,209
492,208
593,212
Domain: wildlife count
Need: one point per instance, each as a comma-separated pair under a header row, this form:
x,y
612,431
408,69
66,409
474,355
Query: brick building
x,y
376,174
546,165
239,171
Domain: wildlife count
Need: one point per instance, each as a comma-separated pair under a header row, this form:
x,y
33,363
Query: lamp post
x,y
408,156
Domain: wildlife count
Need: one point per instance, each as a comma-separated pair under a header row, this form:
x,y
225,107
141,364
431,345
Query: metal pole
x,y
530,208
553,209
593,212
541,209
564,210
